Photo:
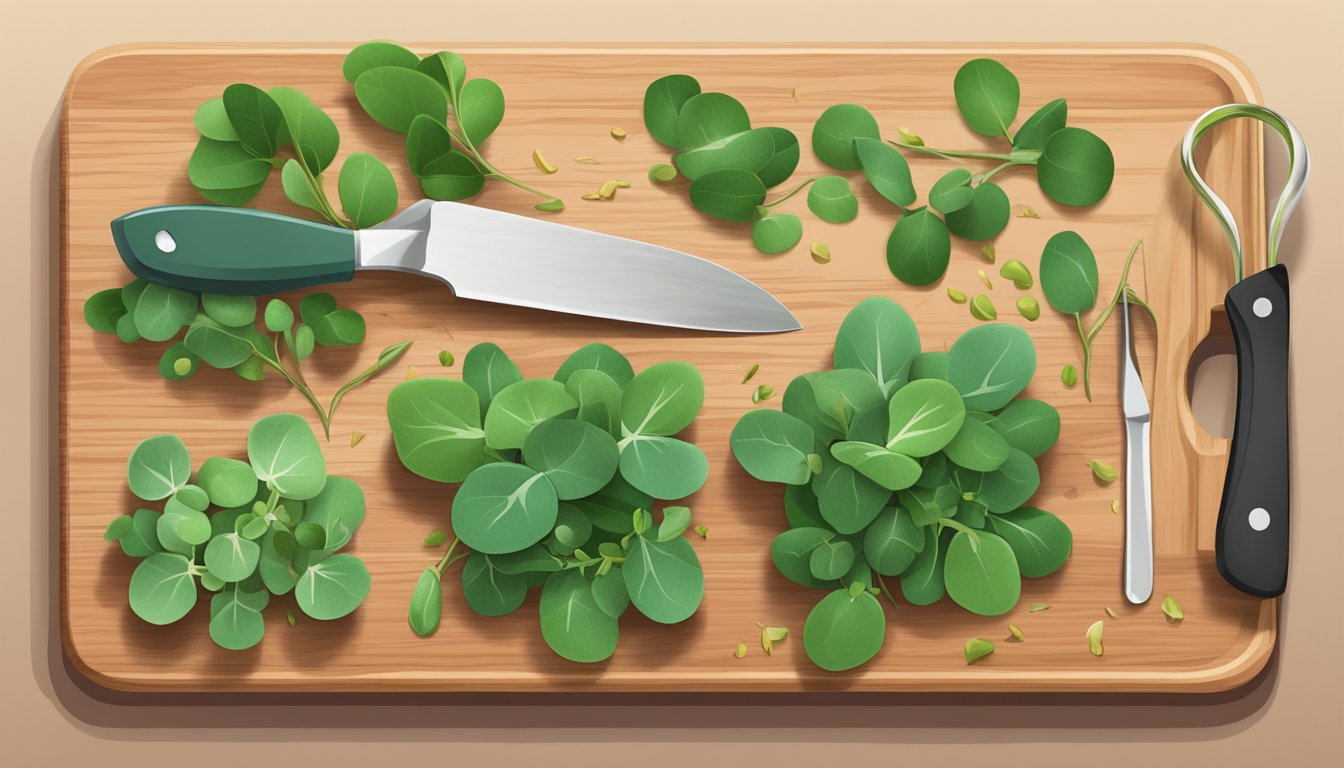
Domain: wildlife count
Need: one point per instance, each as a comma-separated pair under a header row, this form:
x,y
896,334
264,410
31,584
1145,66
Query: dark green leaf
x,y
368,191
426,603
919,248
1069,273
311,130
981,574
488,370
597,357
749,151
886,169
922,583
783,157
162,311
929,365
233,311
255,117
879,337
828,401
1009,486
1031,426
923,417
773,446
1041,125
801,509
984,217
844,631
611,594
448,69
831,559
225,173
1076,167
835,132
848,500
662,400
572,530
792,553
312,309
729,193
664,578
1040,541
102,309
341,328
952,191
218,346
892,542
480,108
394,95
504,508
663,101
143,538
610,508
776,233
987,95
707,117
831,199
893,471
285,455
163,588
436,428
578,458
572,623
488,591
377,53
977,447
333,588
990,364
599,399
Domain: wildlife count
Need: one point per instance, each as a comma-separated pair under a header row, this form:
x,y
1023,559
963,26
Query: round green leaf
x,y
919,248
231,557
119,527
977,447
521,406
987,95
663,100
597,357
312,309
426,607
835,132
828,401
480,108
1009,486
162,311
377,53
1041,125
1076,167
832,200
731,194
394,95
578,458
225,173
309,535
178,363
304,340
1040,541
599,399
664,578
162,588
102,309
228,482
843,631
182,530
312,132
278,316
126,329
232,311
213,122
663,467
1069,273
339,509
922,582
749,151
488,370
773,446
879,337
801,509
886,169
572,529
792,553
984,217
572,623
488,591
831,559
893,471
276,565
159,466
848,501
892,542
783,157
990,364
448,69
1031,426
707,117
340,328
611,594
368,191
981,574
776,233
923,417
332,588
952,191
255,117
235,618
218,346
504,508
285,455
436,428
662,400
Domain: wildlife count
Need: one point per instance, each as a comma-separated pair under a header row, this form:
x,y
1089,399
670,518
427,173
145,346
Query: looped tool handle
x,y
1251,538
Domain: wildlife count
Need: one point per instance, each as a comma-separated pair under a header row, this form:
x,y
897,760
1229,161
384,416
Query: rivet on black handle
x,y
1252,533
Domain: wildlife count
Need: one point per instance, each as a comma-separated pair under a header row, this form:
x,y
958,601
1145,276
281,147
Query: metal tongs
x,y
1138,575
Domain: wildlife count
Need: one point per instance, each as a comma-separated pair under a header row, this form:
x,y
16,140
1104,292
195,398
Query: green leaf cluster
x,y
230,332
417,96
242,530
731,165
909,464
244,135
559,477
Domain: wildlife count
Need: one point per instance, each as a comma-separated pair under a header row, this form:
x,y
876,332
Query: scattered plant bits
x,y
1115,506
411,373
702,531
988,252
415,97
906,463
982,308
662,173
229,332
618,134
1068,375
1016,633
821,253
751,372
446,358
558,477
243,531
586,160
291,618
956,296
1017,273
1110,611
1094,639
984,278
977,649
741,651
356,438
1038,607
1172,609
770,636
436,539
1102,471
762,393
541,163
1028,307
1028,213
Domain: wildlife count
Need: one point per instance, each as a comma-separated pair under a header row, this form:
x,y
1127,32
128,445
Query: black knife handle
x,y
1251,542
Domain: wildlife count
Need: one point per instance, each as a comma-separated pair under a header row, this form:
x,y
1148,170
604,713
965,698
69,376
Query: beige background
x,y
1293,710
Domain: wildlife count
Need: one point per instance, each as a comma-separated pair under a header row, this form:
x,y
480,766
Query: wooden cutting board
x,y
126,135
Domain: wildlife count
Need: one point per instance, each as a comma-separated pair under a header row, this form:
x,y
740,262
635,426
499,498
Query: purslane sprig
x,y
558,481
223,332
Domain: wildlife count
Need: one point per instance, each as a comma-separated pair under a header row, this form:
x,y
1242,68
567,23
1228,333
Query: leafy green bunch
x,y
558,477
245,134
908,464
731,165
415,97
222,331
243,531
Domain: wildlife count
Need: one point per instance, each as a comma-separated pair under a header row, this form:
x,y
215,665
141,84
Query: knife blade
x,y
479,253
1138,571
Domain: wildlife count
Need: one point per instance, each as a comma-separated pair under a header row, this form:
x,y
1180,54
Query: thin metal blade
x,y
509,259
1135,399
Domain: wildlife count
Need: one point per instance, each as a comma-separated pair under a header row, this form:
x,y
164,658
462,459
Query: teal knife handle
x,y
232,251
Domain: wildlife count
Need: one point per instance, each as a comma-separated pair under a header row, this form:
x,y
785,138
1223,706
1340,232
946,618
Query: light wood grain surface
x,y
126,135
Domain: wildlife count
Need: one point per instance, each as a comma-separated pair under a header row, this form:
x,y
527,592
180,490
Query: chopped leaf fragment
x,y
586,160
1028,213
741,651
762,393
908,137
1028,307
1110,611
662,173
702,531
770,636
289,616
541,163
1103,471
1015,632
445,358
956,296
1172,609
821,253
751,372
411,373
987,251
1094,638
984,278
608,190
1115,506
436,539
590,196
1069,375
618,133
356,438
982,308
977,649
1038,607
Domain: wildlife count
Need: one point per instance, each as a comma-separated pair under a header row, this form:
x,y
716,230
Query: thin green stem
x,y
491,172
1135,298
1087,356
790,193
885,590
954,154
307,393
446,560
995,171
947,522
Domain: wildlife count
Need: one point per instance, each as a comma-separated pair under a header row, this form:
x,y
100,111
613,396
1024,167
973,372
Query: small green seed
x,y
987,251
1069,375
1028,307
821,253
702,531
956,296
977,649
182,366
1103,471
445,358
1015,632
436,539
741,651
662,173
289,616
983,309
762,393
1172,609
751,373
1017,272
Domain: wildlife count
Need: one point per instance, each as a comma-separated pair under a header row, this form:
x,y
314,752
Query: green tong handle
x,y
233,251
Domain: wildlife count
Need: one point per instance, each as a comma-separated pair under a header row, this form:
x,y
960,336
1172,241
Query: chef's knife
x,y
478,252
1251,538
